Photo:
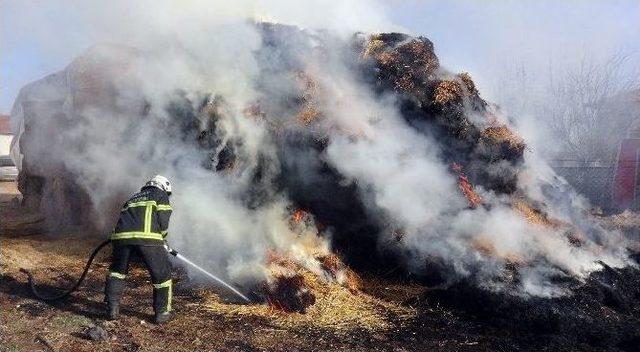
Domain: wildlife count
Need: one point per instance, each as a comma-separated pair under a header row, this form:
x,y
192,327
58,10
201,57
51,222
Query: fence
x,y
594,180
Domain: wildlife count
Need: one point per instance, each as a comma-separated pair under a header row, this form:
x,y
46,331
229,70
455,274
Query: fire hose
x,y
95,252
66,293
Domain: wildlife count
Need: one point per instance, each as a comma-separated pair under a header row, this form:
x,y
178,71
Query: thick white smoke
x,y
399,171
164,47
203,47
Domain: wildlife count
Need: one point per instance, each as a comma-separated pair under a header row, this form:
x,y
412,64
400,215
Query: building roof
x,y
5,125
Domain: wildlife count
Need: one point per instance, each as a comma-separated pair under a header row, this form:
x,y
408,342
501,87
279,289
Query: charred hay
x,y
289,277
602,313
441,103
289,293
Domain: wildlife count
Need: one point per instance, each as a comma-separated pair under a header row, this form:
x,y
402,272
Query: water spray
x,y
174,253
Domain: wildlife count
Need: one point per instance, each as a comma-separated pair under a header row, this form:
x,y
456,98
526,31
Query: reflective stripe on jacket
x,y
144,218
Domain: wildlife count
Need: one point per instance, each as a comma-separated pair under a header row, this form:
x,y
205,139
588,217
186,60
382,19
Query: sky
x,y
488,37
481,37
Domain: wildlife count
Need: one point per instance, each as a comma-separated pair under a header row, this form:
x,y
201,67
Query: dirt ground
x,y
387,316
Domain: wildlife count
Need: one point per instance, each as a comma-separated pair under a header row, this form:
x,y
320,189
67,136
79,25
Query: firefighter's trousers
x,y
155,259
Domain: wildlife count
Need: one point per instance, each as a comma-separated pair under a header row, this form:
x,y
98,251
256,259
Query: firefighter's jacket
x,y
144,218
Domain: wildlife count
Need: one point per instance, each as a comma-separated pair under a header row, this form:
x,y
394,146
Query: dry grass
x,y
338,302
38,251
336,308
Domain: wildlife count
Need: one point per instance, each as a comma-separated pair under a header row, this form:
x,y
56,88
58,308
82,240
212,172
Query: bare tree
x,y
591,107
585,108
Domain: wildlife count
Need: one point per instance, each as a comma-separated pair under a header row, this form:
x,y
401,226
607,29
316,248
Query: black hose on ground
x,y
72,289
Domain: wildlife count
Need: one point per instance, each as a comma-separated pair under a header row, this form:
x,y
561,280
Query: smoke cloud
x,y
205,59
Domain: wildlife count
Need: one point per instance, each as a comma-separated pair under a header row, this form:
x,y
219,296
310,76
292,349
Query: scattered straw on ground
x,y
336,308
40,251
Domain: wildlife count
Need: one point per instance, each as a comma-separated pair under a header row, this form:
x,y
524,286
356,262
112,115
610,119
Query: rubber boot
x,y
113,291
113,309
162,304
164,317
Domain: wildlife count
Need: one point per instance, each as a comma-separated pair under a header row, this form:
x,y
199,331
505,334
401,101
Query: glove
x,y
169,249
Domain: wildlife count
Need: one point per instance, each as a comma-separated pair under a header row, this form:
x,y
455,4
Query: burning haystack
x,y
399,163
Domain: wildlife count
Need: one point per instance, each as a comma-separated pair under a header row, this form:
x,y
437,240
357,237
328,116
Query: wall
x,y
5,142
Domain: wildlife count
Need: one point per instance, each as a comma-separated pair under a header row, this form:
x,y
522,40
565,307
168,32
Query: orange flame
x,y
298,215
466,187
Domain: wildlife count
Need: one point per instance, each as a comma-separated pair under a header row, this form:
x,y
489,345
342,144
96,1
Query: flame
x,y
298,215
466,187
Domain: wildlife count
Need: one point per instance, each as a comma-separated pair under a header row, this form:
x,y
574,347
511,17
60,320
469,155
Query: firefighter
x,y
141,230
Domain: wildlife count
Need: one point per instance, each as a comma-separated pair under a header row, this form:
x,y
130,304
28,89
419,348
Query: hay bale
x,y
309,94
373,48
499,135
289,293
465,78
448,92
307,114
338,271
288,287
627,220
404,64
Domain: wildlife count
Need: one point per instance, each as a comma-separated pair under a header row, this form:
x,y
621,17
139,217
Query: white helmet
x,y
161,182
